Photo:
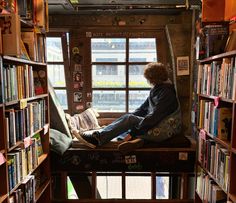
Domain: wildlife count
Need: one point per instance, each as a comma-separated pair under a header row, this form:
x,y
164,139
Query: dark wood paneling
x,y
180,35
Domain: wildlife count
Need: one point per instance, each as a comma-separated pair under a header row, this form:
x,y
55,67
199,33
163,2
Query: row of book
x,y
18,82
215,159
207,189
25,193
22,123
216,121
34,11
218,78
212,39
21,161
33,45
21,81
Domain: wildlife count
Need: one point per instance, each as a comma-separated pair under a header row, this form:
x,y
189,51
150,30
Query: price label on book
x,y
23,103
27,142
216,101
2,159
37,30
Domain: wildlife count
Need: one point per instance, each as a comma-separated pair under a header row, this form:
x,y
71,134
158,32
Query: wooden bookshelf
x,y
24,113
218,56
22,61
215,97
216,154
41,189
3,198
218,68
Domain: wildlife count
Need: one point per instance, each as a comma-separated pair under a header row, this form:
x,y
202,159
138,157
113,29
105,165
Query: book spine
x,y
2,85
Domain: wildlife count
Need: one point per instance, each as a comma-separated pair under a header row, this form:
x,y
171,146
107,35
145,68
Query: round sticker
x,y
75,50
42,74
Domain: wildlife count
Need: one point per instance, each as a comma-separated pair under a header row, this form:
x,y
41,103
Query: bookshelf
x,y
217,136
24,104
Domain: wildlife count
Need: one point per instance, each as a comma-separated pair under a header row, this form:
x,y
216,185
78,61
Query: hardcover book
x,y
231,41
224,123
2,89
216,36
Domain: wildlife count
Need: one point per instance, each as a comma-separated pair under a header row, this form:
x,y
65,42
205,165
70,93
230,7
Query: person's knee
x,y
127,117
132,118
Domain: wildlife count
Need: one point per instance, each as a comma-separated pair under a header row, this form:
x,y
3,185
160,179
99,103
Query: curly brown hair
x,y
156,73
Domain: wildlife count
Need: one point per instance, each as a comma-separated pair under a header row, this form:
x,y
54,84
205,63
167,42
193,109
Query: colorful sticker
x,y
76,85
77,76
88,104
77,67
88,34
89,94
75,50
79,107
77,96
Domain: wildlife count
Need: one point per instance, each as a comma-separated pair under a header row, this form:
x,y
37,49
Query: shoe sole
x,y
129,146
82,140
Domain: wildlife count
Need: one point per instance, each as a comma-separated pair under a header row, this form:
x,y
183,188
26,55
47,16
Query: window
x,y
118,84
131,185
56,67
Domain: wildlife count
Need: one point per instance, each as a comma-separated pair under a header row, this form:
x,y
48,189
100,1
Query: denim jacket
x,y
160,103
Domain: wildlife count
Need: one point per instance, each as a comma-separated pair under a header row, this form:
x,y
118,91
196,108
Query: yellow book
x,y
224,123
201,113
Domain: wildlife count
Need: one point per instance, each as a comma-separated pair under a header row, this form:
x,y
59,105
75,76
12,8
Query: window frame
x,y
64,62
126,64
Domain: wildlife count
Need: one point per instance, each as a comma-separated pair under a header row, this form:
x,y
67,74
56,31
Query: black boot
x,y
90,137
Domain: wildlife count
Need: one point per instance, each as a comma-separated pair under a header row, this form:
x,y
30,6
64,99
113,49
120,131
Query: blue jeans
x,y
120,126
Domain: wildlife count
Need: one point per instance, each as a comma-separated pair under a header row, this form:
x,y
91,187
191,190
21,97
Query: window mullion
x,y
127,76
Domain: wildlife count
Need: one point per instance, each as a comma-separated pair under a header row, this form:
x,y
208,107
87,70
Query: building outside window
x,y
117,72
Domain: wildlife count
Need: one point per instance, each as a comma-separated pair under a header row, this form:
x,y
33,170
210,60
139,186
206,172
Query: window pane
x,y
71,193
54,49
142,50
108,76
56,75
108,50
136,78
162,187
109,187
136,98
138,187
109,101
62,96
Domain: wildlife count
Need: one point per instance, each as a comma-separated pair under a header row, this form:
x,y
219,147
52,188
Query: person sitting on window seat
x,y
161,102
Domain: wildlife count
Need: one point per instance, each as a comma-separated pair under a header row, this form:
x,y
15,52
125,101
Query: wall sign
x,y
183,65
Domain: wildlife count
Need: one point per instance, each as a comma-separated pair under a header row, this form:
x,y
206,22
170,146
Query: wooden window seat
x,y
174,157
